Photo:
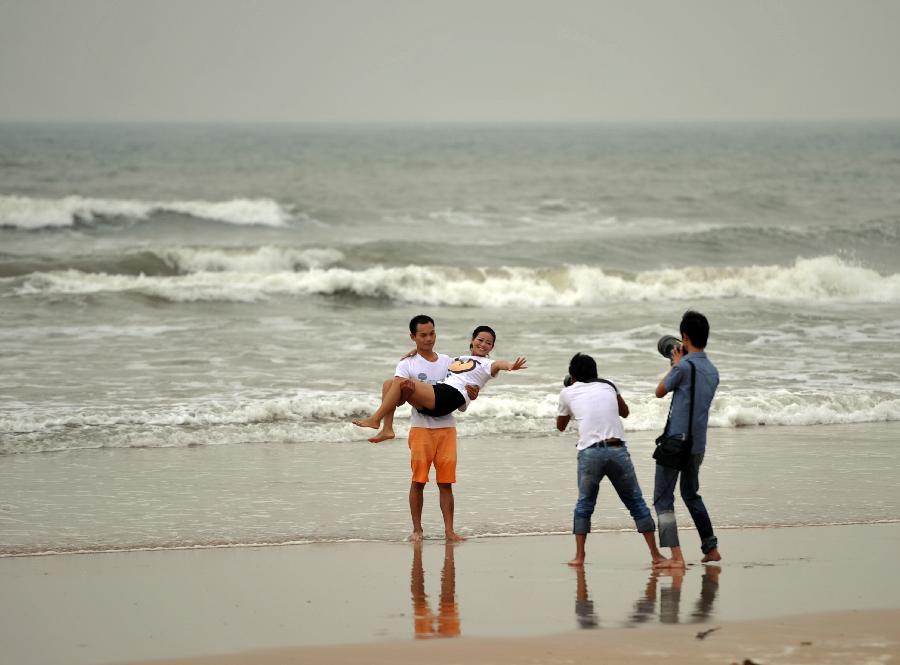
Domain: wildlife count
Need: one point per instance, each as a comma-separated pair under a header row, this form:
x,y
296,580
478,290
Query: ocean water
x,y
191,315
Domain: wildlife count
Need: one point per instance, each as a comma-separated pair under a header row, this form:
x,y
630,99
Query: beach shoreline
x,y
123,499
330,602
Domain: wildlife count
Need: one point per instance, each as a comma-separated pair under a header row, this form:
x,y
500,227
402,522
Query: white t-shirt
x,y
468,370
595,407
416,367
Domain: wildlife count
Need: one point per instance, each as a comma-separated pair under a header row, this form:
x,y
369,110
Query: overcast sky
x,y
425,61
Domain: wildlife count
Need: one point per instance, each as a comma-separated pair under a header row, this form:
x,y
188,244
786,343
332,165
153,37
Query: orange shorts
x,y
433,446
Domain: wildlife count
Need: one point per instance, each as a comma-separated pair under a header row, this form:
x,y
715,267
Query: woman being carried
x,y
450,394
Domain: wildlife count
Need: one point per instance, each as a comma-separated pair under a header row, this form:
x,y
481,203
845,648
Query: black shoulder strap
x,y
609,383
691,408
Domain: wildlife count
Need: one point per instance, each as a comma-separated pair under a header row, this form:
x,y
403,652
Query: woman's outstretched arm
x,y
518,363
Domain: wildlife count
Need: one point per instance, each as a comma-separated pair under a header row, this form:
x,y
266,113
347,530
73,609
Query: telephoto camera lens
x,y
667,344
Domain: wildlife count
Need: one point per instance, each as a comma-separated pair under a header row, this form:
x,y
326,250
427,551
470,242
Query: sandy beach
x,y
218,223
855,637
505,600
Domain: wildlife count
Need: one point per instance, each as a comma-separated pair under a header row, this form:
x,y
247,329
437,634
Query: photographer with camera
x,y
694,380
597,406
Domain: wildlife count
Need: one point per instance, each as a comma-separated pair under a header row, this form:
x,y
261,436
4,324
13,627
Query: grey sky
x,y
422,60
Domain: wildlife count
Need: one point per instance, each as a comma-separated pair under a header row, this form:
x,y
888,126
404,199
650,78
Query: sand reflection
x,y
426,623
660,599
584,606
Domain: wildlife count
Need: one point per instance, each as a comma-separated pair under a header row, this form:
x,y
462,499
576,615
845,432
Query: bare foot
x,y
453,537
669,564
576,562
367,422
415,537
383,435
658,560
712,555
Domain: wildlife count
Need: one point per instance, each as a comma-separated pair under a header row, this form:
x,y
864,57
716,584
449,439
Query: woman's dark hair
x,y
481,329
416,321
582,368
695,325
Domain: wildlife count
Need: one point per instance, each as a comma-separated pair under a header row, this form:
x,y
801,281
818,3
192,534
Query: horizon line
x,y
410,122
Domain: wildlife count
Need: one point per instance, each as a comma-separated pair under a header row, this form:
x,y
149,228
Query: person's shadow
x,y
426,624
656,601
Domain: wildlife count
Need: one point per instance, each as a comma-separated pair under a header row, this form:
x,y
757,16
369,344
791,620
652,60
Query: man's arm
x,y
563,413
670,381
623,407
677,355
661,388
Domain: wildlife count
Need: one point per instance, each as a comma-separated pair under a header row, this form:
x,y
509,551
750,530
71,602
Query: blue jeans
x,y
593,465
664,503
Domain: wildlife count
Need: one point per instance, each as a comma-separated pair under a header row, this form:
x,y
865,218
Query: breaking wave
x,y
263,260
37,213
176,261
268,272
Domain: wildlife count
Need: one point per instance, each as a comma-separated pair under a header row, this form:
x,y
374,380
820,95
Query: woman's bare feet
x,y
415,537
367,422
383,435
453,537
712,555
576,562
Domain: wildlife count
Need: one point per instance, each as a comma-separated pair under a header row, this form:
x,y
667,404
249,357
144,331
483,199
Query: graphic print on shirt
x,y
460,366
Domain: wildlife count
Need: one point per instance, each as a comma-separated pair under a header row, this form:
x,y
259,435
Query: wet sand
x,y
846,638
502,600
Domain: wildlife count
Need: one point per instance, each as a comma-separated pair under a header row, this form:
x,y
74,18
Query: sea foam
x,y
324,417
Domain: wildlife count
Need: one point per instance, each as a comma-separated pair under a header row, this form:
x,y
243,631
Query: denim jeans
x,y
664,503
593,465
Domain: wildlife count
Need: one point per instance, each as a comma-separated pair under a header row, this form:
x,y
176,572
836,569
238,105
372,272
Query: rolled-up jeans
x,y
664,503
615,463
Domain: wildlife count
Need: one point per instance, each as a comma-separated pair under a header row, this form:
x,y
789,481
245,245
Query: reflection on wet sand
x,y
709,589
584,606
655,599
446,622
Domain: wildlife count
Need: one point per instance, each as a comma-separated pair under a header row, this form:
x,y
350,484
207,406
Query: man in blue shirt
x,y
694,330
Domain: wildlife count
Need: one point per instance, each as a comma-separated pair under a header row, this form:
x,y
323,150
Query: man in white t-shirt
x,y
597,406
432,441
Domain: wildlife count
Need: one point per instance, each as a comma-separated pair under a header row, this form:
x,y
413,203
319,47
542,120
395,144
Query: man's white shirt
x,y
596,408
416,367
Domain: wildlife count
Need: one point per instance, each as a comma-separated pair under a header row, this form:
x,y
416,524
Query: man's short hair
x,y
416,321
696,327
582,368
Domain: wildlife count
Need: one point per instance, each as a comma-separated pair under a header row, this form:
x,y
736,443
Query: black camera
x,y
568,380
667,344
